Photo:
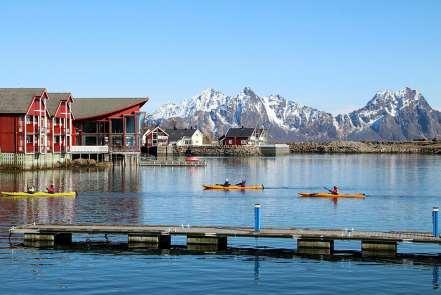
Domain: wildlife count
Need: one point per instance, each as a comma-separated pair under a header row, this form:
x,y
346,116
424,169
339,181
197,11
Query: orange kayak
x,y
329,195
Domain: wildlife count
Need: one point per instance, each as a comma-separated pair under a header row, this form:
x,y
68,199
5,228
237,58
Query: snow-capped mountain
x,y
388,115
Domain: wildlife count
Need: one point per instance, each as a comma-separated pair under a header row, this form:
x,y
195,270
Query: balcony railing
x,y
89,149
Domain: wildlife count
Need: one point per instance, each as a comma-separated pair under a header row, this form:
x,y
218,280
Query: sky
x,y
331,55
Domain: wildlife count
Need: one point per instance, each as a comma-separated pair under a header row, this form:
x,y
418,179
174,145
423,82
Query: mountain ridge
x,y
389,115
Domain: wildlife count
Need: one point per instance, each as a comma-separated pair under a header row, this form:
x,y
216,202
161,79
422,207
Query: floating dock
x,y
173,163
216,237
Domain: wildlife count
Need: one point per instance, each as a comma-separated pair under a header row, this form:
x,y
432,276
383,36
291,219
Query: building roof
x,y
17,100
54,101
84,108
240,132
150,130
178,134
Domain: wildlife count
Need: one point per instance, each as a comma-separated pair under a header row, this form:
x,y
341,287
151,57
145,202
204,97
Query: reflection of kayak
x,y
39,194
232,187
329,195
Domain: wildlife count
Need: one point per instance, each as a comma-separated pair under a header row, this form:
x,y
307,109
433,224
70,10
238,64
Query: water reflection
x,y
117,178
102,206
435,277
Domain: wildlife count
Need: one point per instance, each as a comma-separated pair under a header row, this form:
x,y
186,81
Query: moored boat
x,y
232,187
329,195
39,194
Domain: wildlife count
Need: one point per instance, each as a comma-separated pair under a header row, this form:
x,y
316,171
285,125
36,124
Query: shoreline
x,y
366,147
325,147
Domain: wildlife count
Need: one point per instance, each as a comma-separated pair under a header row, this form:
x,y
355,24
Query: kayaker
x,y
51,189
226,183
30,189
242,183
334,190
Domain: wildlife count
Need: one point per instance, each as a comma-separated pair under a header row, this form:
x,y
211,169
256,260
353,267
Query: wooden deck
x,y
217,235
173,163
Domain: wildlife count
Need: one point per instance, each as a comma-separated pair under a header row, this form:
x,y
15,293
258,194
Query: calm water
x,y
402,190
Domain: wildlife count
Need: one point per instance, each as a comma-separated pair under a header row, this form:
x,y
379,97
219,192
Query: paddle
x,y
327,189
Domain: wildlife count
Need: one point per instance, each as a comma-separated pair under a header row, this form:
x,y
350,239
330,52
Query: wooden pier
x,y
216,237
173,163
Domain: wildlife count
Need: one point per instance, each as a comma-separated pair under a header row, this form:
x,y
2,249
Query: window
x,y
90,140
57,139
230,141
117,126
130,140
117,140
89,127
29,138
28,119
35,120
130,124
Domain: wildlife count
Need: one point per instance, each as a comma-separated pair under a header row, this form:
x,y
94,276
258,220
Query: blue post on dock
x,y
257,225
435,231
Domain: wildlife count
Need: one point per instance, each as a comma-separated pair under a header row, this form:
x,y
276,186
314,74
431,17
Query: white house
x,y
185,137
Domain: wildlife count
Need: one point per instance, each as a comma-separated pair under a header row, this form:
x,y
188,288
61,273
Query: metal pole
x,y
435,212
257,225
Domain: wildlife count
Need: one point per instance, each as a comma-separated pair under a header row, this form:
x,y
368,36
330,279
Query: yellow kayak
x,y
39,194
329,195
232,187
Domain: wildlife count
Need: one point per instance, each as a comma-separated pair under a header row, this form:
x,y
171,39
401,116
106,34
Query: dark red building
x,y
24,120
60,108
112,122
244,136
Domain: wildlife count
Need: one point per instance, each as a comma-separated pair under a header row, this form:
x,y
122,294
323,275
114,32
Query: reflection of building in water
x,y
38,210
124,178
89,206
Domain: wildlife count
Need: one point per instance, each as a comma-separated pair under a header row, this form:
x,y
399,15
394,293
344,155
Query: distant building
x,y
155,137
185,137
244,136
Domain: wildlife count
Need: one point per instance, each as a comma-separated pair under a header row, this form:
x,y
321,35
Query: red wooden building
x,y
24,121
155,137
244,136
112,122
60,108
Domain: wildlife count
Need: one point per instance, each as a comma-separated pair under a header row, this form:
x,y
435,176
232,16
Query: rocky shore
x,y
411,147
219,151
342,147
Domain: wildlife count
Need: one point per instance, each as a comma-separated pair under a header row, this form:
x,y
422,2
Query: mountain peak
x,y
248,91
209,92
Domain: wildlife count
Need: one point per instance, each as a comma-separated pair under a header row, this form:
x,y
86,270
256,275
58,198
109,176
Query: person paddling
x,y
242,183
227,182
51,189
334,190
30,189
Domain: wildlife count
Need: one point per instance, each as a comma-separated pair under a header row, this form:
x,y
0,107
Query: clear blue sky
x,y
333,55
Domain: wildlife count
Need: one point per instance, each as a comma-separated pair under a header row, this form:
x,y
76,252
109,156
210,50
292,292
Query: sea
x,y
401,192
